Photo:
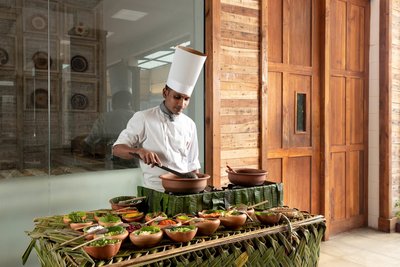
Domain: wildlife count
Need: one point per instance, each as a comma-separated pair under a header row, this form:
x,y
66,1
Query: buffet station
x,y
240,225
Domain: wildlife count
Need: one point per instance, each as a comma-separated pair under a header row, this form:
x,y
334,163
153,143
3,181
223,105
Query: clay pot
x,y
77,226
181,236
146,241
268,217
175,184
247,176
210,213
120,236
166,223
207,226
104,222
133,217
233,221
104,252
184,218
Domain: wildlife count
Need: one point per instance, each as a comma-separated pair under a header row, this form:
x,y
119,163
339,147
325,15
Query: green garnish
x,y
182,229
103,242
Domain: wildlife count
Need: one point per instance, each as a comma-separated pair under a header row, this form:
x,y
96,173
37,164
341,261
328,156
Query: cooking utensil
x,y
179,174
131,200
230,169
174,184
98,231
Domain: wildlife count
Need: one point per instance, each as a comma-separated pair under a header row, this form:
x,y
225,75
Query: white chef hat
x,y
185,69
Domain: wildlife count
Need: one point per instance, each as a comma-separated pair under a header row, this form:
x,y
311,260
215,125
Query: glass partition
x,y
73,72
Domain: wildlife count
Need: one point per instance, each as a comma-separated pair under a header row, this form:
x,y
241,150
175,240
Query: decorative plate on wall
x,y
39,98
40,59
39,22
3,57
79,63
79,101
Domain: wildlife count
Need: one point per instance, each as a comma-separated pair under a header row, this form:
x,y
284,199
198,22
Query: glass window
x,y
73,72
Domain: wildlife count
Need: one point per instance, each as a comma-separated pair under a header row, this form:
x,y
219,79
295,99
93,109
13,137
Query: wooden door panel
x,y
338,30
299,37
354,184
299,85
337,116
297,183
337,190
355,89
275,110
275,29
356,36
275,170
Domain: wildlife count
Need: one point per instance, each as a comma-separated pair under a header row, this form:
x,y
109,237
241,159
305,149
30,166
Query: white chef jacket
x,y
175,142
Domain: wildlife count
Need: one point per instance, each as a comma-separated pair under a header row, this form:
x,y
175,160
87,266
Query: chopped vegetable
x,y
147,230
182,229
103,242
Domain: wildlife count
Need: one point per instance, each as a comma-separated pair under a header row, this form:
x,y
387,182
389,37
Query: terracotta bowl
x,y
103,252
247,177
288,212
181,236
121,236
77,226
133,217
175,184
233,222
206,226
268,217
115,205
151,215
146,241
90,236
184,218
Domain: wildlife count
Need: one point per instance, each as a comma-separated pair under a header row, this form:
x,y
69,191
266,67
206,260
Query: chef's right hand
x,y
148,157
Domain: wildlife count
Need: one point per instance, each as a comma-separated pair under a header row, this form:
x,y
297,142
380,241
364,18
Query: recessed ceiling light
x,y
131,15
167,58
158,54
152,64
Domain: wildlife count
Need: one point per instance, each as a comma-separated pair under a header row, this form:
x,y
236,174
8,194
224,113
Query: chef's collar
x,y
171,116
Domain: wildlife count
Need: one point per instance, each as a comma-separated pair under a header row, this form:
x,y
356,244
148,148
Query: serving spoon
x,y
179,174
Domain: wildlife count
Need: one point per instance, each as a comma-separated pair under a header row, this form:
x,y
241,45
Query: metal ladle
x,y
179,174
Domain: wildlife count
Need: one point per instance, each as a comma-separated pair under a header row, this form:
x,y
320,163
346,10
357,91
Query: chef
x,y
163,135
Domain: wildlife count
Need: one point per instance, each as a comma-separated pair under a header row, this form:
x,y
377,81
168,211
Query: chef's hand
x,y
148,157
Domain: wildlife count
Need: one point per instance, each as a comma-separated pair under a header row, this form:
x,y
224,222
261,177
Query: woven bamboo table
x,y
289,244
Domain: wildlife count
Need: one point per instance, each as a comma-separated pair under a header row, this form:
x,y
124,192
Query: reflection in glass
x,y
77,57
301,112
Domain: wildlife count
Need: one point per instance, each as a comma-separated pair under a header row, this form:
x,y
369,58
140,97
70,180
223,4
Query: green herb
x,y
103,242
182,229
114,230
77,216
110,218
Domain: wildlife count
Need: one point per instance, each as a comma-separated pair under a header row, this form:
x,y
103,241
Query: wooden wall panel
x,y
239,73
275,29
357,110
297,184
338,186
337,116
299,84
356,38
355,185
299,36
275,110
275,170
338,43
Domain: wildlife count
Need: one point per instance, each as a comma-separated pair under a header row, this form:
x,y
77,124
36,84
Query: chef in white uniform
x,y
164,135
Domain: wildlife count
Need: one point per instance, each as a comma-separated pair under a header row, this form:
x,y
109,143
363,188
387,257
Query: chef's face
x,y
174,101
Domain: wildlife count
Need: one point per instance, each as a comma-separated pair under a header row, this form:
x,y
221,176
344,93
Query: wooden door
x,y
294,101
346,111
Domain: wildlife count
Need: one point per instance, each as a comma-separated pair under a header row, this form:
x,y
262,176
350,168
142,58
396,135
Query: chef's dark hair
x,y
122,99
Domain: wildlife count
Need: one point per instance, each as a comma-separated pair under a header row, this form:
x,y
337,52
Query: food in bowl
x,y
109,220
210,213
184,233
114,232
75,217
103,249
90,231
147,236
184,218
133,216
165,223
152,215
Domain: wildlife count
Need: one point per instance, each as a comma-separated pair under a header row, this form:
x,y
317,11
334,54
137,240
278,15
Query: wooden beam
x,y
385,118
212,91
264,85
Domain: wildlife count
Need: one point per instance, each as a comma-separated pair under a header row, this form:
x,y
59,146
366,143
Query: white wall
x,y
23,199
373,129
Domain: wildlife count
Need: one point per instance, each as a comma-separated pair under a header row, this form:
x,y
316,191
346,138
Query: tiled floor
x,y
361,247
